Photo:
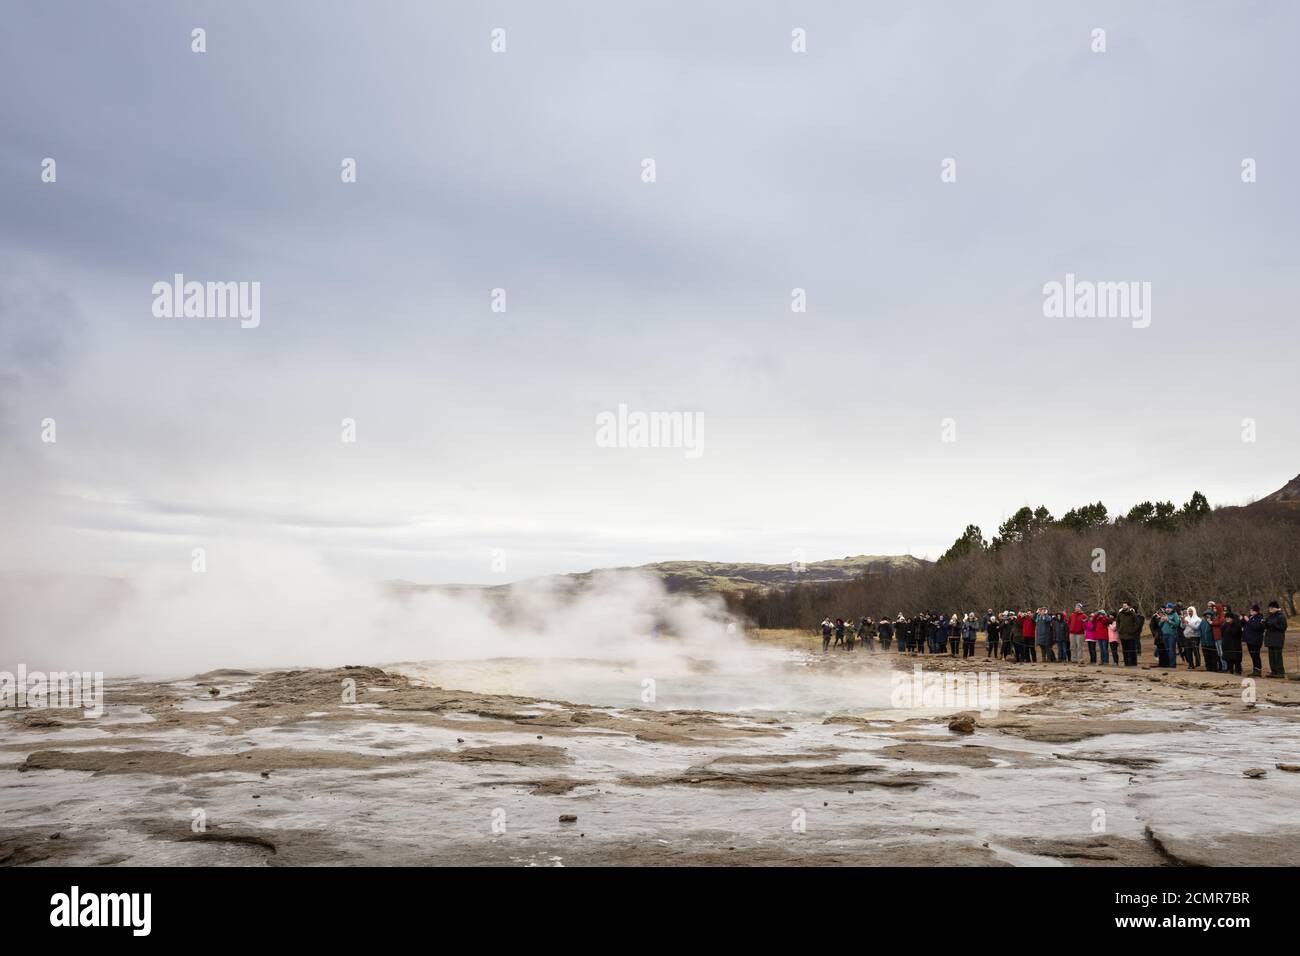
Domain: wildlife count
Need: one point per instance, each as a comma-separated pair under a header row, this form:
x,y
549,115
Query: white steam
x,y
285,608
618,639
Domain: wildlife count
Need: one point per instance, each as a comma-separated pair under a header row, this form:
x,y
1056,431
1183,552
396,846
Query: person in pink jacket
x,y
1112,634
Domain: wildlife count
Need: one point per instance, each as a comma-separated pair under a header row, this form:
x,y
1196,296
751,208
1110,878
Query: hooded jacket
x,y
1206,633
1172,625
1232,637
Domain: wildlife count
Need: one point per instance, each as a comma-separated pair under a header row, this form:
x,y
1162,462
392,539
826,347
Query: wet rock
x,y
962,724
1289,767
1229,848
168,763
568,818
1128,761
966,755
554,787
1074,729
37,720
1254,773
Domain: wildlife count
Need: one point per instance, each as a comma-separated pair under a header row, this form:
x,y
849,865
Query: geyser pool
x,y
776,683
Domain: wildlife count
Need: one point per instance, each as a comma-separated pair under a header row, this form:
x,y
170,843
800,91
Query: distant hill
x,y
1281,505
698,577
1288,495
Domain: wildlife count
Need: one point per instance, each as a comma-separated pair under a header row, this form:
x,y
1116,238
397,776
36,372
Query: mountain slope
x,y
698,577
1288,495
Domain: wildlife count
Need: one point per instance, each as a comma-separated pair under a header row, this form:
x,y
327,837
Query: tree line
x,y
1156,552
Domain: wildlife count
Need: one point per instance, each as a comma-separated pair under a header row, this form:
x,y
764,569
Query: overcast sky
x,y
522,170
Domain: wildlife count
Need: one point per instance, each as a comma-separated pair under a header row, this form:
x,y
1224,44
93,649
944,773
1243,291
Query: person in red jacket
x,y
1102,621
1075,626
1027,635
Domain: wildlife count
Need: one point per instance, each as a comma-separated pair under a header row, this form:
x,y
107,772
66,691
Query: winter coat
x,y
1129,623
1254,630
1206,633
1232,638
1027,627
1077,622
1275,629
1043,628
1060,629
1172,625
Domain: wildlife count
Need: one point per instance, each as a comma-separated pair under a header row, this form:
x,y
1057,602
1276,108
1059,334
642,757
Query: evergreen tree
x,y
971,540
1088,516
1165,517
1196,509
1141,513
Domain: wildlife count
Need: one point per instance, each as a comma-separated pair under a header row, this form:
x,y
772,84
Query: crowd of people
x,y
1215,640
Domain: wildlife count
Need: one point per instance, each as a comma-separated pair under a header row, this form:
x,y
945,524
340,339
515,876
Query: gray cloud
x,y
521,171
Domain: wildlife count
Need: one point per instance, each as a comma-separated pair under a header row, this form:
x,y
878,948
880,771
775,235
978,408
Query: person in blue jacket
x,y
1171,626
1253,634
944,632
1043,634
1209,649
970,626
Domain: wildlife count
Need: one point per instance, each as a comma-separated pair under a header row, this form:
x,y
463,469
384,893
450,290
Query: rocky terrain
x,y
1078,767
